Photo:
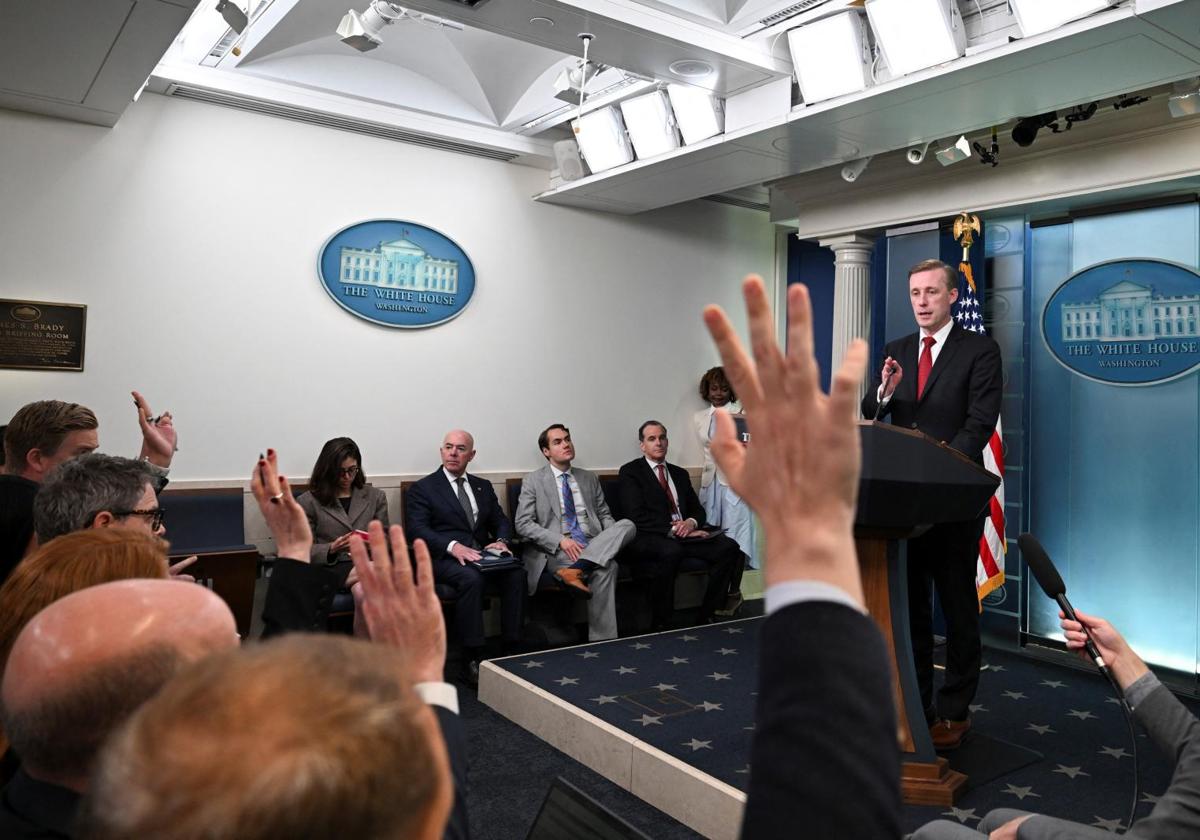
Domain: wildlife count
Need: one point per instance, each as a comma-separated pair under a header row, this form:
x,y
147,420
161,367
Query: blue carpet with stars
x,y
691,694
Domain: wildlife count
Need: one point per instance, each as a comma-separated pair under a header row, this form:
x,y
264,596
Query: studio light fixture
x,y
233,15
916,154
1037,16
1185,101
602,139
1184,104
363,30
832,56
698,113
957,151
1027,128
852,170
916,34
651,124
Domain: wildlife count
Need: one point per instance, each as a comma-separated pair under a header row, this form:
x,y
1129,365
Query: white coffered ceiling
x,y
484,86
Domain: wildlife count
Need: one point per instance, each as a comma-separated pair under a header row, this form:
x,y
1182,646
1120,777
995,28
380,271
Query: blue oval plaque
x,y
1127,322
397,274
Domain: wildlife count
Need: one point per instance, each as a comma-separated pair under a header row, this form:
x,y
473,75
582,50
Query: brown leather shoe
x,y
949,734
572,579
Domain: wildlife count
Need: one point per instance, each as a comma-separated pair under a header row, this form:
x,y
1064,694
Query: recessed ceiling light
x,y
541,21
691,68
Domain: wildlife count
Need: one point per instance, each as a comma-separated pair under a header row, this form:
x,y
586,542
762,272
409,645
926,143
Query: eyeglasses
x,y
348,471
156,515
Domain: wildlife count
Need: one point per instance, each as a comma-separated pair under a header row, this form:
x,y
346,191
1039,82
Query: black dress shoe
x,y
471,673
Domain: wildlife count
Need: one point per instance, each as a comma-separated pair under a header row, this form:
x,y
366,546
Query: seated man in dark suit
x,y
659,499
824,760
459,518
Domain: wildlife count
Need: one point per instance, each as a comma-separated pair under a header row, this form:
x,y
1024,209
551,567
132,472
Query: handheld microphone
x,y
1052,584
887,377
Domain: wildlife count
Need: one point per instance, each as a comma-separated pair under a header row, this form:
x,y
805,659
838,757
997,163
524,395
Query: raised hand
x,y
397,609
285,518
800,470
159,437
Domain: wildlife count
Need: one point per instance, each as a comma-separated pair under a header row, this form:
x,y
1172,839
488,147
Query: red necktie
x,y
925,365
662,479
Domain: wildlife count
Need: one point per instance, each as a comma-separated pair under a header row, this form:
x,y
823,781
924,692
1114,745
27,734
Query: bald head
x,y
458,448
88,660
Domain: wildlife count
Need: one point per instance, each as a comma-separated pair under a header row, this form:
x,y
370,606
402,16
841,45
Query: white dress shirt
x,y
453,479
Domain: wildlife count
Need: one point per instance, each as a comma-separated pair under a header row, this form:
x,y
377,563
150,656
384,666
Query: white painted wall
x,y
192,231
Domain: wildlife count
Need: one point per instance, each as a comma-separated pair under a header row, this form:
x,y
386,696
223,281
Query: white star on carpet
x,y
749,728
1070,772
961,814
1113,700
697,745
977,707
1116,752
532,663
1053,683
1082,715
588,654
647,720
1015,695
1020,792
666,687
1109,825
568,681
711,707
732,630
687,637
727,651
718,677
624,670
1151,798
639,646
604,698
744,771
995,669
1040,729
677,660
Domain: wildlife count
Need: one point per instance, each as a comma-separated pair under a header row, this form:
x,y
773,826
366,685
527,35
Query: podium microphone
x,y
887,377
1052,584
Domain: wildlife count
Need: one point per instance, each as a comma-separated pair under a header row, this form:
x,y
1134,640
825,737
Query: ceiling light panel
x,y
1037,16
698,113
602,139
650,124
916,34
832,57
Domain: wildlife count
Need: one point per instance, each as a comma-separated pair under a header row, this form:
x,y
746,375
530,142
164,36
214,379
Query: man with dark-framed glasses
x,y
97,491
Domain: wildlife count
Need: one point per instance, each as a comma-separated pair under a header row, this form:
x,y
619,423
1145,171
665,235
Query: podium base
x,y
930,784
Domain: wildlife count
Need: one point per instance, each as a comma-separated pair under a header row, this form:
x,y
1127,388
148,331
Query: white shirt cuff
x,y
450,546
790,592
438,694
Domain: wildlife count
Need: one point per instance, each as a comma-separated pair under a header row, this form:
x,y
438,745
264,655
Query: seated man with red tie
x,y
460,520
659,499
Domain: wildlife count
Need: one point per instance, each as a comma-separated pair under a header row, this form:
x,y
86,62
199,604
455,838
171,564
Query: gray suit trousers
x,y
602,609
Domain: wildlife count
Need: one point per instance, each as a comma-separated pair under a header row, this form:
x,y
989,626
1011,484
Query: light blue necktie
x,y
569,516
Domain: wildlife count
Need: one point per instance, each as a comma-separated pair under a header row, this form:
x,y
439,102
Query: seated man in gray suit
x,y
1170,725
567,525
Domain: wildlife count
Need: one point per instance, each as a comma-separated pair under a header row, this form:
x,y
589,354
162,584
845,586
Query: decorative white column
x,y
851,293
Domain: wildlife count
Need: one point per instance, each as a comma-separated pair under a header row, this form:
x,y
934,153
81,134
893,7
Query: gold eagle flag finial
x,y
965,228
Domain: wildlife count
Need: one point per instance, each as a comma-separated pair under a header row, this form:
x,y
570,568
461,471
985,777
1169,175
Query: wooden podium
x,y
910,482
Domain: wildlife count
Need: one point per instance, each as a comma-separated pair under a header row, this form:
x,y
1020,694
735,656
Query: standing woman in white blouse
x,y
721,505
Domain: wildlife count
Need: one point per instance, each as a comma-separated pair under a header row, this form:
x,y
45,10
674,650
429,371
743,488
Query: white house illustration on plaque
x,y
399,265
1129,311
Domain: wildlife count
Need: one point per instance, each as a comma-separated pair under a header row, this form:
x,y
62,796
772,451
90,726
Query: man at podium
x,y
945,381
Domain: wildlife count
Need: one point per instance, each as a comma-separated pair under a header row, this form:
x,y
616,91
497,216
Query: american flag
x,y
989,567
